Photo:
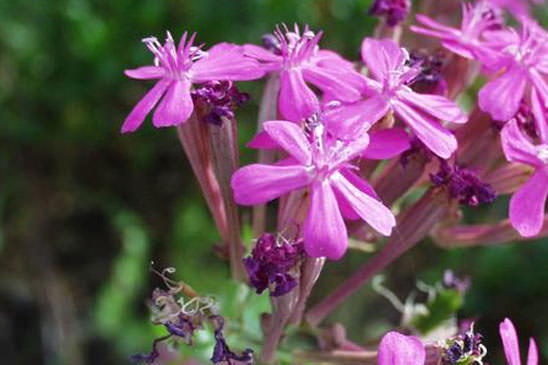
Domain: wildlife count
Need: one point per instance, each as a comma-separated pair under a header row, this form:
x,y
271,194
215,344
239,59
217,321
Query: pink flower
x,y
177,68
397,349
476,18
521,62
299,60
390,91
511,345
527,204
322,164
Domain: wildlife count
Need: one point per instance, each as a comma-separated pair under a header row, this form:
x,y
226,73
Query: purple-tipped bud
x,y
451,281
463,184
395,11
218,99
270,264
271,43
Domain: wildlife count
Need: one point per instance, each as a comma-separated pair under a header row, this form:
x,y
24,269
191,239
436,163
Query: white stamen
x,y
542,153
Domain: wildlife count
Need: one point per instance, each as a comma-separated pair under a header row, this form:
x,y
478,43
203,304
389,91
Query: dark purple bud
x,y
271,43
270,263
395,11
222,352
217,100
463,184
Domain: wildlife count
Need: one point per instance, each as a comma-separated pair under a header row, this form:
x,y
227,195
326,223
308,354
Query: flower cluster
x,y
359,153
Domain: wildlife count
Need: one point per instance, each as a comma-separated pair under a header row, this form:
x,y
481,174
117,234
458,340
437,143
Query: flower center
x,y
176,61
294,47
542,153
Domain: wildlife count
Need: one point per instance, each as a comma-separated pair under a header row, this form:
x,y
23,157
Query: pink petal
x,y
176,107
329,59
532,356
460,49
527,205
352,149
540,84
262,141
368,208
510,342
432,33
297,101
435,25
257,183
539,111
397,349
345,208
349,120
261,54
291,138
438,139
231,65
387,143
359,183
344,83
517,147
381,57
223,48
324,230
144,106
145,73
438,106
502,96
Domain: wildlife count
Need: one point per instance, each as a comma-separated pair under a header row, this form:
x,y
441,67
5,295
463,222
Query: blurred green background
x,y
84,209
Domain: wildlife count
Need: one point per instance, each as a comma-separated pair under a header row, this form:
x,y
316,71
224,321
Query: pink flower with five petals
x,y
298,59
177,68
322,164
389,91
